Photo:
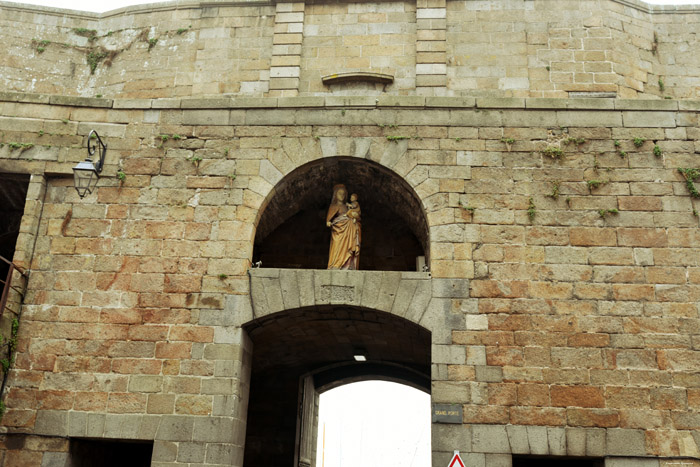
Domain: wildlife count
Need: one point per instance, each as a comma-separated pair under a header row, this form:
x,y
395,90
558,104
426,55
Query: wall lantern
x,y
87,173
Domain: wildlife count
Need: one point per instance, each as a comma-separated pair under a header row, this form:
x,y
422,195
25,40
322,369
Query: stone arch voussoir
x,y
297,152
414,296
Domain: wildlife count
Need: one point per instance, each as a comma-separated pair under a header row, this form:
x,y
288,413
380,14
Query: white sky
x,y
374,424
106,5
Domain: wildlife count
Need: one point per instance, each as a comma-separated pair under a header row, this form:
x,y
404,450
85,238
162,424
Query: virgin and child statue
x,y
346,230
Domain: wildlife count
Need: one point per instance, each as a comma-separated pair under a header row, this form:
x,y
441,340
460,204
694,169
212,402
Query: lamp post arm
x,y
91,149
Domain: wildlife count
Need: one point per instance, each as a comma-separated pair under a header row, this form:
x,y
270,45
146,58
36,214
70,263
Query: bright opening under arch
x,y
373,424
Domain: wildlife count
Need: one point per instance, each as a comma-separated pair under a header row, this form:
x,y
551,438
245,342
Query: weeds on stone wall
x,y
40,45
594,184
690,176
121,176
553,152
21,146
195,160
555,191
531,210
91,34
466,207
508,142
576,141
94,55
638,142
657,151
603,213
396,139
662,85
7,362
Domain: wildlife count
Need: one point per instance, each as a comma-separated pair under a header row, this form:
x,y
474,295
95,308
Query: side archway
x,y
291,231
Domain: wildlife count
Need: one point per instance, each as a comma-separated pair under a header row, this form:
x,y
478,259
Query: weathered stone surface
x,y
563,326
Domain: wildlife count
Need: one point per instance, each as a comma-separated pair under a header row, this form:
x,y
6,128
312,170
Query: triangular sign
x,y
456,461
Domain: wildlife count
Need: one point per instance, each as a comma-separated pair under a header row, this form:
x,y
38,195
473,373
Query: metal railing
x,y
7,284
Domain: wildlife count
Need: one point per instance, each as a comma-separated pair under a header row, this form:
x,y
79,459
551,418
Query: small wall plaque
x,y
447,413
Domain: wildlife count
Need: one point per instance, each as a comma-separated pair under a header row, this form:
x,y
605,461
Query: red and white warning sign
x,y
456,461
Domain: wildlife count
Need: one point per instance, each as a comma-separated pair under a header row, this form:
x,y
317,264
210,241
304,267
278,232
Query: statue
x,y
353,209
346,230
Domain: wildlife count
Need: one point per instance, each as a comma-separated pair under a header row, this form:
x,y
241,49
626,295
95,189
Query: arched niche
x,y
310,350
291,228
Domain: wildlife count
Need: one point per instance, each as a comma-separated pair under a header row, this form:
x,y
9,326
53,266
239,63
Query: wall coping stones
x,y
193,4
8,96
645,104
371,102
500,102
462,102
72,101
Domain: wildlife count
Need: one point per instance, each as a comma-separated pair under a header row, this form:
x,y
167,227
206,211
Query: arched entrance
x,y
300,351
291,229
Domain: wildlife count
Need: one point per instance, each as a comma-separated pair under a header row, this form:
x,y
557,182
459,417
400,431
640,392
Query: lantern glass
x,y
85,177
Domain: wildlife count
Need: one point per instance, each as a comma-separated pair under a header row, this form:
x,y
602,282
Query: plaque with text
x,y
447,413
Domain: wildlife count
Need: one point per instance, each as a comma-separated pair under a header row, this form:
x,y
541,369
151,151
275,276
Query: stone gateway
x,y
526,177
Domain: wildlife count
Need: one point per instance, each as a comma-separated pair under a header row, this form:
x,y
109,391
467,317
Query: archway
x,y
299,351
291,230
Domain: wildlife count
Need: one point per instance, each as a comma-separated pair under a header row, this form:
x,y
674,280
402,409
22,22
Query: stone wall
x,y
512,48
563,255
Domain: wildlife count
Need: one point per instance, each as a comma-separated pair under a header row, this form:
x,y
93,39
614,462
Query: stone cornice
x,y
357,102
192,4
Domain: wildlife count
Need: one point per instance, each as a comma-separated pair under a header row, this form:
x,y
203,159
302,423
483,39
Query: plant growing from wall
x,y
94,57
662,85
40,45
555,190
84,32
553,152
655,43
195,160
396,139
531,210
638,142
7,362
21,146
657,151
690,176
121,176
576,141
466,207
508,142
603,213
593,184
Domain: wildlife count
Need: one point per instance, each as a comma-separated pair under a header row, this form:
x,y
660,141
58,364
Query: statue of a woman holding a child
x,y
346,230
